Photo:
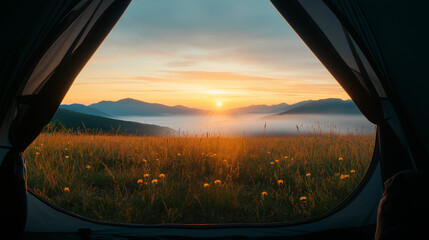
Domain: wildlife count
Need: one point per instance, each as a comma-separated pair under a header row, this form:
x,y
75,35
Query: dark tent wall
x,y
45,44
377,50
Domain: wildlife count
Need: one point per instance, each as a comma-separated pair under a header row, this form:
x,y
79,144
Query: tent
x,y
377,51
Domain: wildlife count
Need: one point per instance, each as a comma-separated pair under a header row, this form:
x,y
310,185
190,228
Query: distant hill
x,y
75,120
80,108
129,107
261,109
324,106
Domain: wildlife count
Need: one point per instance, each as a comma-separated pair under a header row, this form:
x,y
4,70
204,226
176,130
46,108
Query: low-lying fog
x,y
256,124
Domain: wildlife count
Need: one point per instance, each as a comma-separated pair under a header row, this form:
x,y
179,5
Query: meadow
x,y
197,179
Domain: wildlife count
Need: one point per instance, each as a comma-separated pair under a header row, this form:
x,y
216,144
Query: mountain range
x,y
75,121
133,107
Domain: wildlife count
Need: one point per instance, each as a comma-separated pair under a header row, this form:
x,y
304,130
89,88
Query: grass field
x,y
154,180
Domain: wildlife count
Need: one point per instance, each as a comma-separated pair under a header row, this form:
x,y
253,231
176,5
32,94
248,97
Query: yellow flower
x,y
206,185
157,159
340,159
303,198
88,167
280,182
37,153
264,194
146,175
66,149
162,175
308,175
154,181
66,190
342,177
272,163
140,181
67,157
179,154
217,182
277,161
144,160
352,171
286,157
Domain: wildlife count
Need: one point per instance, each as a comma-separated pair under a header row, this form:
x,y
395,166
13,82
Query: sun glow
x,y
219,104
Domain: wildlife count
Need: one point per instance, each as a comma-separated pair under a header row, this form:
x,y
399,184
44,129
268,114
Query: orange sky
x,y
249,56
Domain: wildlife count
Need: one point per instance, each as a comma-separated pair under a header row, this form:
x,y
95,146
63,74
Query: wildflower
x,y
66,190
277,161
340,159
67,157
280,182
66,149
37,153
272,163
88,167
140,181
157,159
144,160
352,171
308,175
286,157
179,154
217,182
206,185
264,194
146,175
303,198
162,176
154,181
342,177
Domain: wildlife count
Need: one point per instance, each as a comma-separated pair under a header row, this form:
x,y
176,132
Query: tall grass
x,y
103,177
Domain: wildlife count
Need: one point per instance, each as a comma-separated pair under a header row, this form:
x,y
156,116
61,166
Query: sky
x,y
204,54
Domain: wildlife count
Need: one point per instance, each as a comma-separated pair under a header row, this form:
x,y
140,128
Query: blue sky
x,y
199,52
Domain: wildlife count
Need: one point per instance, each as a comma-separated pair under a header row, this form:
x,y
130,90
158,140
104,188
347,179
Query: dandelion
x,y
308,175
264,194
162,176
345,176
37,153
140,181
67,157
217,182
272,163
280,182
340,159
66,190
154,181
206,185
277,161
352,171
88,167
303,198
146,175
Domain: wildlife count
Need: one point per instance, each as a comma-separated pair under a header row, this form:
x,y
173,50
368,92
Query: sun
x,y
219,104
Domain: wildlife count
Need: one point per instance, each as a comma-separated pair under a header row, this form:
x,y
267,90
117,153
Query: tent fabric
x,y
374,50
47,44
379,56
